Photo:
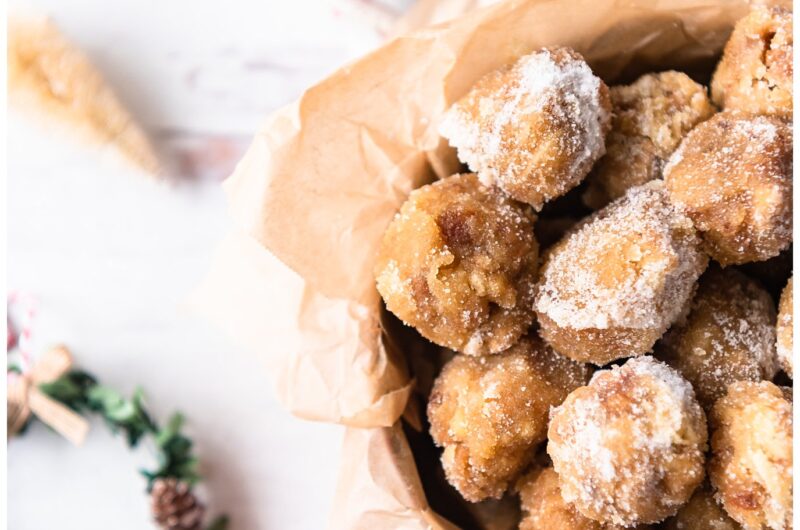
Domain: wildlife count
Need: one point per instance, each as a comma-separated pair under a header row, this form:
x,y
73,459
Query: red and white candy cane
x,y
24,306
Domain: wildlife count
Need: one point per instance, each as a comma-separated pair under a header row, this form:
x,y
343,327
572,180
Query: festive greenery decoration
x,y
174,504
50,390
81,392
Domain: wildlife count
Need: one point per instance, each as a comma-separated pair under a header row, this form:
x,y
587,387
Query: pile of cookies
x,y
634,343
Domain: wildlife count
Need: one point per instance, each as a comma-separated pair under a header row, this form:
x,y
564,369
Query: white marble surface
x,y
110,255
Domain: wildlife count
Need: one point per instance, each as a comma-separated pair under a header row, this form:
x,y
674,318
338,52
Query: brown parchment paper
x,y
323,177
324,355
381,487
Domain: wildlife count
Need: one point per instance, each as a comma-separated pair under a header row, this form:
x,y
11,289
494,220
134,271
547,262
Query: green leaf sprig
x,y
81,392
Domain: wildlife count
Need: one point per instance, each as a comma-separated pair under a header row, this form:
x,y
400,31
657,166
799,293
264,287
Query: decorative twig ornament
x,y
53,80
51,391
26,398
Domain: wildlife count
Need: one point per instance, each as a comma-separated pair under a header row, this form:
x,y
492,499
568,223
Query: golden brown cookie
x,y
732,175
458,262
755,73
651,116
534,129
629,161
751,455
617,281
728,335
784,331
628,448
489,413
543,507
702,512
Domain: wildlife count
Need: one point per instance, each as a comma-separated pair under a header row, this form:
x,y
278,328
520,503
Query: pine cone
x,y
175,506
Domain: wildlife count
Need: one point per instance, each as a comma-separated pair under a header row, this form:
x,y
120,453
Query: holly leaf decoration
x,y
175,454
125,415
81,392
172,429
71,389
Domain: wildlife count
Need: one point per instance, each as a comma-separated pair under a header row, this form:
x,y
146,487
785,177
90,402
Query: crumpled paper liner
x,y
381,488
325,175
324,354
385,476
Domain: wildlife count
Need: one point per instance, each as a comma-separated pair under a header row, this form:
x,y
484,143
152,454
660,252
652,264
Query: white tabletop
x,y
110,255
